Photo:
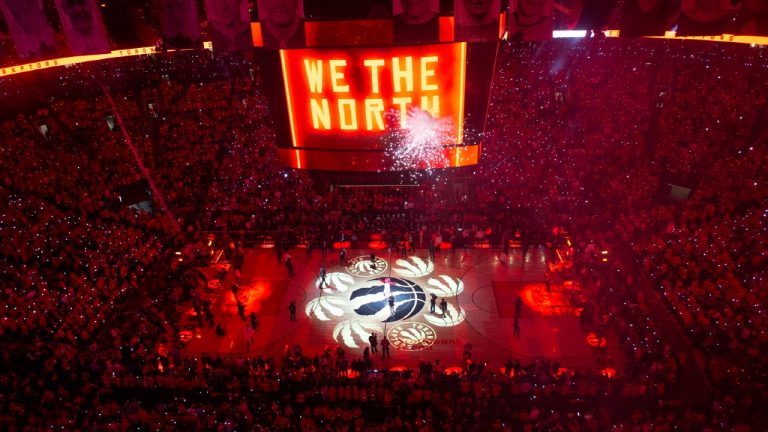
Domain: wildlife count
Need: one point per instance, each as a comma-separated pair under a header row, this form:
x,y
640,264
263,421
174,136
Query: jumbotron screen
x,y
378,108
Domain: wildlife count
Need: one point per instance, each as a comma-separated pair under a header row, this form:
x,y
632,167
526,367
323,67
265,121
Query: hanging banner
x,y
416,22
530,20
476,20
699,18
282,23
29,28
179,24
752,18
83,26
229,25
647,17
129,24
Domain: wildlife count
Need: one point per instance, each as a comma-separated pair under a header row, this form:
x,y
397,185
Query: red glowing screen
x,y
347,99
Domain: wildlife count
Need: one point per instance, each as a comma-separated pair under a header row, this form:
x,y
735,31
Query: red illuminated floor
x,y
480,291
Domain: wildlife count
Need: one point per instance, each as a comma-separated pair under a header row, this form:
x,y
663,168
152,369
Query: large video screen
x,y
349,99
373,109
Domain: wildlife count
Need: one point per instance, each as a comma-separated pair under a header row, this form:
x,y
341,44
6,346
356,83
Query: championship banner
x,y
229,25
476,20
530,20
29,28
179,24
83,26
353,98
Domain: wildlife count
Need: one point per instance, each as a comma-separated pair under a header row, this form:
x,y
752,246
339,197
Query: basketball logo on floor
x,y
373,300
411,336
445,286
414,267
325,308
354,333
363,266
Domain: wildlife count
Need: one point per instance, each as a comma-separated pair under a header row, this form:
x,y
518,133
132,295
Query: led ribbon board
x,y
348,99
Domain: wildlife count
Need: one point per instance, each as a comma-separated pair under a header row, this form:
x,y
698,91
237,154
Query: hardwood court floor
x,y
479,287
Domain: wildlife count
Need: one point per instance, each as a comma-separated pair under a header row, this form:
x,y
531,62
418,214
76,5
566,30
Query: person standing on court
x,y
289,265
373,262
322,277
432,250
279,251
384,347
254,321
374,343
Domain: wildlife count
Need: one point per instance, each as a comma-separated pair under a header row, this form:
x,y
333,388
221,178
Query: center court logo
x,y
411,336
356,300
372,300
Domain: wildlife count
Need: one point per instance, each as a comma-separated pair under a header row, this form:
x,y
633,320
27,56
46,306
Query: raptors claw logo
x,y
414,267
445,286
321,307
340,281
354,331
453,317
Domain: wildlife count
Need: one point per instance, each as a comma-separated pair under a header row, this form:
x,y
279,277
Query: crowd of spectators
x,y
583,135
598,134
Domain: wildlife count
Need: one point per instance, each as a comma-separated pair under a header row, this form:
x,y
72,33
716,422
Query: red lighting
x,y
548,303
377,244
364,160
342,245
503,371
446,28
254,295
572,285
356,32
596,341
485,244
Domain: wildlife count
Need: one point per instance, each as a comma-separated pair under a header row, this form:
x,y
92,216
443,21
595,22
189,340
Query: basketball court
x,y
479,286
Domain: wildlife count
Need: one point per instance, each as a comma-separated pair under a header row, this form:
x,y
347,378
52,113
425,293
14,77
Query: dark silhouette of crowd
x,y
583,135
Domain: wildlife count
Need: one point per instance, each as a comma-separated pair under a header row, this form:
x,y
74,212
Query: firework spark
x,y
421,143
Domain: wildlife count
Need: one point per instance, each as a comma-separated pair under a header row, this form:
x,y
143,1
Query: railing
x,y
260,239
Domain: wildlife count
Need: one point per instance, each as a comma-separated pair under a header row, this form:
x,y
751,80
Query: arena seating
x,y
583,135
